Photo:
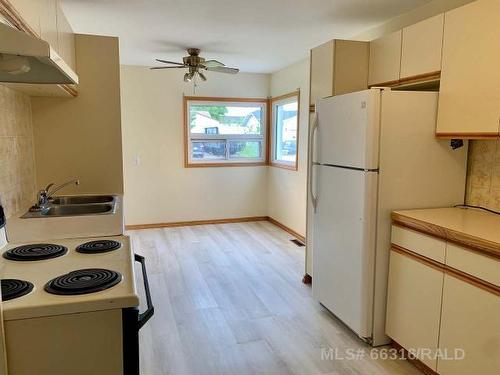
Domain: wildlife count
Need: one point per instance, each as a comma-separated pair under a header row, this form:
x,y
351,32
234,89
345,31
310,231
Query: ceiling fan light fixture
x,y
195,63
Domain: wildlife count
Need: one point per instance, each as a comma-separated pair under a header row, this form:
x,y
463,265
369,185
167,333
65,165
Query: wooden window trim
x,y
225,163
271,132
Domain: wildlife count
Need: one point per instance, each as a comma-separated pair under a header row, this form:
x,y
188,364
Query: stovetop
x,y
67,276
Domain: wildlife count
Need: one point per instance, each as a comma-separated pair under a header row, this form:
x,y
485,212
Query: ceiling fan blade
x,y
223,69
212,63
167,67
169,62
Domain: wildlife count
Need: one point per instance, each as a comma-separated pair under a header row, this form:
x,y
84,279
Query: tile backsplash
x,y
483,178
17,165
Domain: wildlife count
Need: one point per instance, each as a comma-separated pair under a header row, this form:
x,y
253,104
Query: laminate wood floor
x,y
229,300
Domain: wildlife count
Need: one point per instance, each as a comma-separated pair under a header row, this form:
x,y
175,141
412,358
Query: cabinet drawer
x,y
419,243
481,266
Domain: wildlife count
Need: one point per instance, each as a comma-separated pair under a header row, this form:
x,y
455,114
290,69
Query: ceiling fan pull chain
x,y
195,85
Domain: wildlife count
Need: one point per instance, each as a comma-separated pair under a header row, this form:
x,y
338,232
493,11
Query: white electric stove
x,y
71,307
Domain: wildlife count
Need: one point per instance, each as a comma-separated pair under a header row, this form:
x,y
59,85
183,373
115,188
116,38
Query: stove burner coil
x,y
99,246
83,281
33,252
14,288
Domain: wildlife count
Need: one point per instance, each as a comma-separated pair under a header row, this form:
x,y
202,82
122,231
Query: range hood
x,y
27,59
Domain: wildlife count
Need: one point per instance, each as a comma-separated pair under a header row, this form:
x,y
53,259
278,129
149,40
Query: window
x,y
285,131
225,131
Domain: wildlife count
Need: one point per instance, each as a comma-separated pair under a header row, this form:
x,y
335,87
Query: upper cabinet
x,y
338,67
66,39
421,48
29,10
385,59
46,20
408,56
469,100
321,84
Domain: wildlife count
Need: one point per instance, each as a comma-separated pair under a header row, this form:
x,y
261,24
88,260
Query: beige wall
x,y
81,137
427,10
483,180
17,169
286,189
159,189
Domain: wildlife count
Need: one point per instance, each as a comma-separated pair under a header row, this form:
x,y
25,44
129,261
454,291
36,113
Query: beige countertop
x,y
474,228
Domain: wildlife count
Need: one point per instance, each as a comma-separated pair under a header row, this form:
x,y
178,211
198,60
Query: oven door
x,y
132,322
3,357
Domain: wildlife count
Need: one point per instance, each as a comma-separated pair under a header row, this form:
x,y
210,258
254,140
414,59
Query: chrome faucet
x,y
44,195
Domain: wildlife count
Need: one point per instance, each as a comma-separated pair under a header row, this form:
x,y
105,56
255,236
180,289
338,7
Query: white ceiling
x,y
255,35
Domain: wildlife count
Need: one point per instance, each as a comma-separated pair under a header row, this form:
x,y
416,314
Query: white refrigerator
x,y
372,152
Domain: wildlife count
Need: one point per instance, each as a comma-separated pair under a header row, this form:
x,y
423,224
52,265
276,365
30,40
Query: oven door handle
x,y
146,315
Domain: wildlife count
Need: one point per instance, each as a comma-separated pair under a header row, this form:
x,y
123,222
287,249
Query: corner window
x,y
285,131
225,131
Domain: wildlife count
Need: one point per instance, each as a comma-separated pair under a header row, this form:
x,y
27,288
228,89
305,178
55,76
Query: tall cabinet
x,y
336,67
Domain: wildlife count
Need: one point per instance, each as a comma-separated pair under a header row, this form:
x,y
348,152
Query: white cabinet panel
x,y
422,46
470,76
48,22
469,323
414,304
385,59
66,39
321,84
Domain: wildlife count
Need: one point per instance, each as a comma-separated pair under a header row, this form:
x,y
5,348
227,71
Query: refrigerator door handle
x,y
312,143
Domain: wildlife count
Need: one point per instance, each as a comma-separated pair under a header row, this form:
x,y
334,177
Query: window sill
x,y
222,165
290,167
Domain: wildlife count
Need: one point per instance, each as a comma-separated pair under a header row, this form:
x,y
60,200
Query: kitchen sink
x,y
81,199
77,210
75,205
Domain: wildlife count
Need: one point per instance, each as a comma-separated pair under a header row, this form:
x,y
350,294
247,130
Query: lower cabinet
x,y
444,308
470,328
414,306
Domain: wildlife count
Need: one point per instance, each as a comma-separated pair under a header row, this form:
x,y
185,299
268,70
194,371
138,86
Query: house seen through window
x,y
223,131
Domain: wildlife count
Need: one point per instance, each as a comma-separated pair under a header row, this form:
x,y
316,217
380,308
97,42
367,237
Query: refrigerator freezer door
x,y
344,245
348,129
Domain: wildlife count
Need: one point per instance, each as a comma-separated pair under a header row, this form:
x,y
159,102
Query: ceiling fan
x,y
196,64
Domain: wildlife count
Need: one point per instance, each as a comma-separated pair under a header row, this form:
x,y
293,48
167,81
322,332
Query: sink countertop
x,y
59,227
473,228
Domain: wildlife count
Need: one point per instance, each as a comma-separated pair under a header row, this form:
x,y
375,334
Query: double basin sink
x,y
76,205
